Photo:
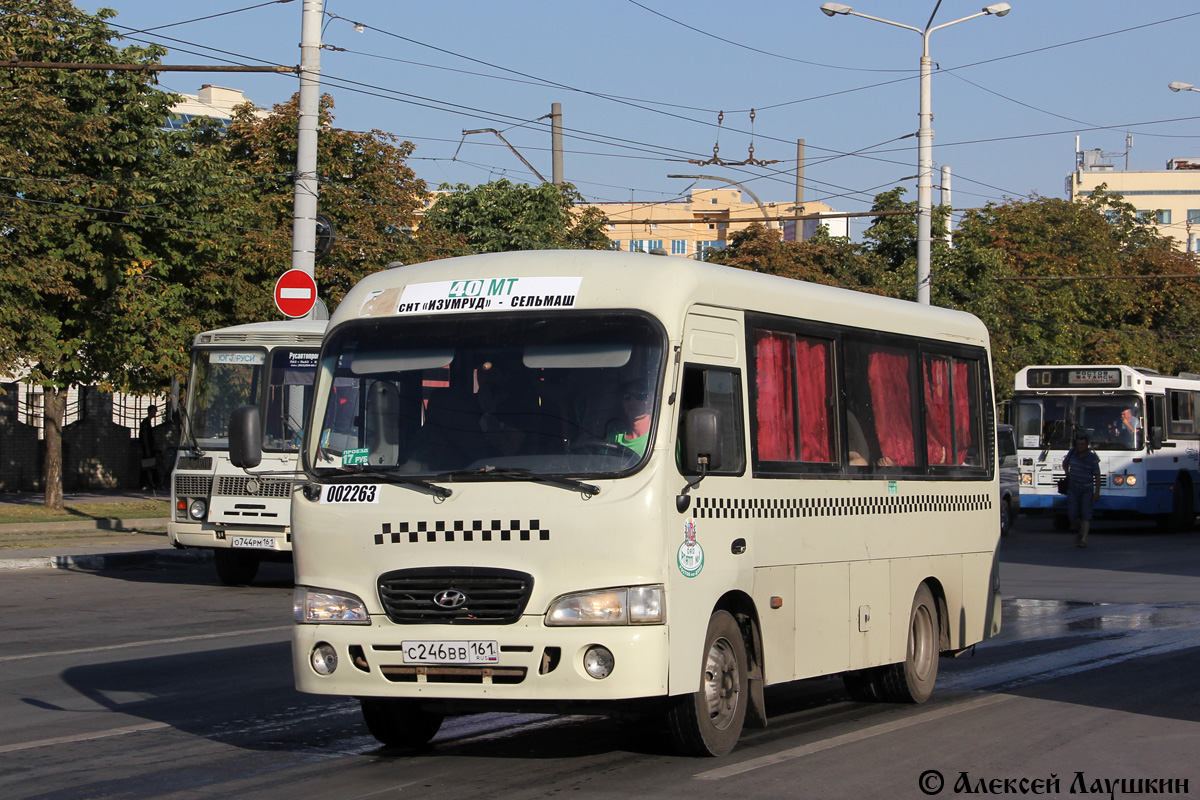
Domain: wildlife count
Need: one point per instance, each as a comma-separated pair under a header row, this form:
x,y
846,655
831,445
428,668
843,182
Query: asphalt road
x,y
162,683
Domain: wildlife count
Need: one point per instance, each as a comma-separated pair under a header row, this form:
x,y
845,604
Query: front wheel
x,y
1006,516
235,567
398,722
709,721
911,681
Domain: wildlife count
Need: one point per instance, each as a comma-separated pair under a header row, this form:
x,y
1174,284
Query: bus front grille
x,y
239,486
454,595
192,485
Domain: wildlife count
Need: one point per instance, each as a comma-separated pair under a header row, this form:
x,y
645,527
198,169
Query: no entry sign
x,y
295,293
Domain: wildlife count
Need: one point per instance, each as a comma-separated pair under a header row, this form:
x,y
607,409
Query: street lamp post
x,y
1180,86
924,133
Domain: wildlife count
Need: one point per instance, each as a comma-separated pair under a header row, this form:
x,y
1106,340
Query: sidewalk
x,y
96,544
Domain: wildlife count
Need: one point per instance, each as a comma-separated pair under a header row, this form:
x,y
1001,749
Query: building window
x,y
712,200
679,247
637,245
1193,215
1164,216
612,226
653,225
615,245
1160,216
654,244
712,227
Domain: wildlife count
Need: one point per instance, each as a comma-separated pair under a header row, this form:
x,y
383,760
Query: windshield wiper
x,y
376,474
523,474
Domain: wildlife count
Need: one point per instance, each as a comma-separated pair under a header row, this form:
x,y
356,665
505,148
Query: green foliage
x,y
502,216
830,260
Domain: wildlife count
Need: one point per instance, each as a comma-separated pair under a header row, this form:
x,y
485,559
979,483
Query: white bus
x,y
583,481
1144,426
243,520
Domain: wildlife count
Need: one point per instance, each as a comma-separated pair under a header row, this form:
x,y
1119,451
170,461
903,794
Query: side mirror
x,y
1156,438
702,439
245,437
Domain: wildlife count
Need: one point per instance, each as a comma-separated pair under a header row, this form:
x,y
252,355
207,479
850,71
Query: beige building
x,y
215,102
705,220
1169,199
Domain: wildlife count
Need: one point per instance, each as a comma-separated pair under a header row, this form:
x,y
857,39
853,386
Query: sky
x,y
648,85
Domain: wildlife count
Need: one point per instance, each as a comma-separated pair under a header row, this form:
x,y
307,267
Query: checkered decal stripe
x,y
461,530
745,508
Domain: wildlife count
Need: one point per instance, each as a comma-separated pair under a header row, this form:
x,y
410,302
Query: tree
x,y
73,148
502,216
1117,313
830,260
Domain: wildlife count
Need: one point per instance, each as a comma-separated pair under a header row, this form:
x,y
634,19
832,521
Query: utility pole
x,y
946,201
556,143
304,203
799,209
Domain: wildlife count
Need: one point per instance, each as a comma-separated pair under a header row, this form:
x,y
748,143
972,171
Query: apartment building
x,y
706,220
1170,198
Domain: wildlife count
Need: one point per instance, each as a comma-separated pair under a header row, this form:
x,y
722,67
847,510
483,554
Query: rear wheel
x,y
1006,516
1183,508
235,567
709,721
398,722
911,681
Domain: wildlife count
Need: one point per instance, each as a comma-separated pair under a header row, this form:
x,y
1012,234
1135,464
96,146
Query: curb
x,y
104,524
107,561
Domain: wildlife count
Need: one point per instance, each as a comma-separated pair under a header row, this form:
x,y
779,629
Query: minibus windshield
x,y
489,397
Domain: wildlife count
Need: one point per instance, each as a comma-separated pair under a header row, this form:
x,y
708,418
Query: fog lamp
x,y
598,661
324,659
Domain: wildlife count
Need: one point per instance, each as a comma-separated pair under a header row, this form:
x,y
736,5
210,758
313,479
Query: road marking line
x,y
147,643
848,738
83,737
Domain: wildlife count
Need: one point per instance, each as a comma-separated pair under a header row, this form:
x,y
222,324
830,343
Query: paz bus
x,y
243,520
597,482
1144,426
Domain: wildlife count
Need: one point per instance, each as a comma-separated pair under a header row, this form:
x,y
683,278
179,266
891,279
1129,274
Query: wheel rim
x,y
921,642
722,683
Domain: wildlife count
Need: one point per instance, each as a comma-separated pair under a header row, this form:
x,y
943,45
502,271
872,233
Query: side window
x,y
793,402
879,402
721,390
1182,423
952,412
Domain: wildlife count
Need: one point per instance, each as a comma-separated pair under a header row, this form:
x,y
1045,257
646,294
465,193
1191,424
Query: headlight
x,y
1118,480
314,606
1027,478
631,605
1131,480
197,508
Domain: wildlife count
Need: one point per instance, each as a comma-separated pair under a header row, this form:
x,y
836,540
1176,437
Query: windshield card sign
x,y
356,457
489,294
231,357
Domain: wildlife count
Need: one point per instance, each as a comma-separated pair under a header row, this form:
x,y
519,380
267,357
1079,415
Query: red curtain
x,y
891,399
963,434
939,447
773,407
812,394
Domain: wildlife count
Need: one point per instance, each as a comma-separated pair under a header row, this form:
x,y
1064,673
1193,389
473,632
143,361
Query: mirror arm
x,y
682,500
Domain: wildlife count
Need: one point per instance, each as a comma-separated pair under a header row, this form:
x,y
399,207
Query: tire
x,y
709,721
862,684
396,722
235,568
911,681
1183,507
1006,517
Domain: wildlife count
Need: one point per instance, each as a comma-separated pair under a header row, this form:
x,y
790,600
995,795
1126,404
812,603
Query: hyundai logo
x,y
449,598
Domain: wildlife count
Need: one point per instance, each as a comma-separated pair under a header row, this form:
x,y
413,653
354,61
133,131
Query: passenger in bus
x,y
859,449
1082,468
636,406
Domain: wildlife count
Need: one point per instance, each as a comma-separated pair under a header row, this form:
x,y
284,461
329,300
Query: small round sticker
x,y
691,555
